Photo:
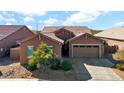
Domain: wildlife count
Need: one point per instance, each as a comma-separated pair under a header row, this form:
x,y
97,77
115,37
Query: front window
x,y
30,51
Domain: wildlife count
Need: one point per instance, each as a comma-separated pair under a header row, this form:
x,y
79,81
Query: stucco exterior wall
x,y
112,42
12,39
35,42
15,53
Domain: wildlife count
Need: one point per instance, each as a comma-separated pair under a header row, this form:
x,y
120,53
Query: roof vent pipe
x,y
38,33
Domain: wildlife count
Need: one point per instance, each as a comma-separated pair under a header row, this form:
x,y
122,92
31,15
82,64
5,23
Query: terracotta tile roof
x,y
81,34
51,28
52,35
113,33
6,30
75,29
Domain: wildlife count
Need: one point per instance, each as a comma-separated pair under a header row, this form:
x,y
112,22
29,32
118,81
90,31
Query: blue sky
x,y
92,19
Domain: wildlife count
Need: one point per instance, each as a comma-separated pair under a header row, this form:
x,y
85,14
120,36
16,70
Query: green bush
x,y
122,67
32,65
118,66
40,57
119,56
66,65
55,64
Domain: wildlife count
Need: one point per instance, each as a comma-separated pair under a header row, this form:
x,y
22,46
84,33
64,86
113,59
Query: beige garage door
x,y
85,51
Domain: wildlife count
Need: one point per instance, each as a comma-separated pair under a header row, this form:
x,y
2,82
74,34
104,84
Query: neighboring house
x,y
11,36
67,41
114,38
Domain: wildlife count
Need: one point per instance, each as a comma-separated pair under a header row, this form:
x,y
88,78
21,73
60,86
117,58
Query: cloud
x,y
1,18
40,21
120,23
31,12
82,17
28,19
8,24
7,19
50,21
6,13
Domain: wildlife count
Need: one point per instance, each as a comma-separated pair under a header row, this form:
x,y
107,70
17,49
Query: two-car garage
x,y
86,45
86,50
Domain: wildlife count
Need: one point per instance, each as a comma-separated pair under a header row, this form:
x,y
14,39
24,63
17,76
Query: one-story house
x,y
66,41
11,36
114,37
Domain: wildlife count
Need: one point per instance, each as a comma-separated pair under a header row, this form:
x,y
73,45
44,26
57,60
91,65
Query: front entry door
x,y
65,50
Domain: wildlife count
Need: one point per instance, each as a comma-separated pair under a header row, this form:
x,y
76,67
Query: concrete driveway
x,y
95,69
102,73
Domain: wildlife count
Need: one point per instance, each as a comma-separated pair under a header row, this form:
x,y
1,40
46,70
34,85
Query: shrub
x,y
119,56
43,53
66,65
122,67
40,57
55,64
32,65
118,66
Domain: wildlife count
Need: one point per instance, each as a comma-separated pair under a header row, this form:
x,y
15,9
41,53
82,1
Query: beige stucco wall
x,y
85,40
112,42
35,42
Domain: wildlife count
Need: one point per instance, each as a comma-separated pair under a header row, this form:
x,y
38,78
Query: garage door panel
x,y
86,51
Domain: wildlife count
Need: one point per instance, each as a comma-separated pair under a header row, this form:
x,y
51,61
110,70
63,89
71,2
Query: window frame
x,y
31,46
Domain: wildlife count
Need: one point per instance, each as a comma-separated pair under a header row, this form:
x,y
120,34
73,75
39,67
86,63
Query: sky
x,y
99,20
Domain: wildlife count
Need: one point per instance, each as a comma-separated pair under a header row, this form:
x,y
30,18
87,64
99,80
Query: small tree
x,y
41,56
